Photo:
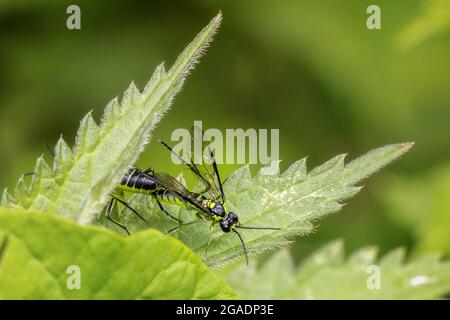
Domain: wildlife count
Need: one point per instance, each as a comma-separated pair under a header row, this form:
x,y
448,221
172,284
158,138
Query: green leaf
x,y
148,265
80,181
290,201
327,274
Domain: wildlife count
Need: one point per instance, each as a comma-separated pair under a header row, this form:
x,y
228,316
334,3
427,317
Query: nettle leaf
x,y
42,255
328,274
291,200
78,184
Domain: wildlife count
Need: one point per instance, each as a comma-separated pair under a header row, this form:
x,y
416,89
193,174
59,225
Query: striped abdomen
x,y
138,182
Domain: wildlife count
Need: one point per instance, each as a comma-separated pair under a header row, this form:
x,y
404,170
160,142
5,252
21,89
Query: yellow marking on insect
x,y
208,203
133,190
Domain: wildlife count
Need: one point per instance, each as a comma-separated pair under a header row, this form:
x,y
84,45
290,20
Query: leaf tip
x,y
218,18
407,145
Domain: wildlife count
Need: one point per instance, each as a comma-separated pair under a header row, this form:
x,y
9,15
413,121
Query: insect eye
x,y
225,225
233,218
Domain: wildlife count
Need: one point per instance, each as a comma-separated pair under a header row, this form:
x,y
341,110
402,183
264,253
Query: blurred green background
x,y
310,68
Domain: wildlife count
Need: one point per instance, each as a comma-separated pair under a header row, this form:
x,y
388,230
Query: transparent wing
x,y
201,162
206,164
174,186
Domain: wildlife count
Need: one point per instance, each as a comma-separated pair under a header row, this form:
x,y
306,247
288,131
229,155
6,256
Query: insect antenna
x,y
243,245
257,228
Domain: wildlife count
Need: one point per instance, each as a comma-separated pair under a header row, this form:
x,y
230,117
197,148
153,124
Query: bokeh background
x,y
310,68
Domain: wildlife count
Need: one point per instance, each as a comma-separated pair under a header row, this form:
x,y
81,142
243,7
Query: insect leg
x,y
109,210
3,246
180,225
149,171
125,204
49,150
209,241
167,212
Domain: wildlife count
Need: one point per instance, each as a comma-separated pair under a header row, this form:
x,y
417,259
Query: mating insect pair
x,y
209,203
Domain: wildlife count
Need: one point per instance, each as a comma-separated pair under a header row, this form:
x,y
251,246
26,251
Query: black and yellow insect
x,y
164,189
210,203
